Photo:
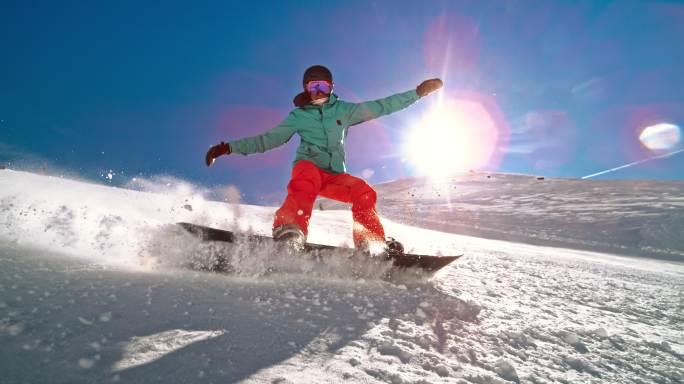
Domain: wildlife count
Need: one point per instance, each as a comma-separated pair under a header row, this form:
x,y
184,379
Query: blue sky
x,y
146,88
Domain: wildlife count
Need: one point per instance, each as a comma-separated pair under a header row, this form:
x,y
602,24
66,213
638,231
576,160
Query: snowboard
x,y
401,260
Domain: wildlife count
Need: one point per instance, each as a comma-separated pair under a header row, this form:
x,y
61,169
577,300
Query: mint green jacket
x,y
323,129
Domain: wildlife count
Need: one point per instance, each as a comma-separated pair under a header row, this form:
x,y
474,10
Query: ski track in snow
x,y
90,291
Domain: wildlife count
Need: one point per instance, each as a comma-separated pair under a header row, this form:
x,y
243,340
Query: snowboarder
x,y
321,119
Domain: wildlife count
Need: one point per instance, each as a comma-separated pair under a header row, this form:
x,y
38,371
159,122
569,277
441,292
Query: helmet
x,y
317,72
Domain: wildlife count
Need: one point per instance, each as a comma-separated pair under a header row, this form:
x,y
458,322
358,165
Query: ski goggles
x,y
321,86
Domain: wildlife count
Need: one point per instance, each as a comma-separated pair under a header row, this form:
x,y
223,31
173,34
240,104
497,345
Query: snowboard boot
x,y
376,249
291,235
393,248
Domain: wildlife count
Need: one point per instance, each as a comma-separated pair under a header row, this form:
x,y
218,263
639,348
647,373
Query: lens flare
x,y
660,137
669,154
454,136
452,41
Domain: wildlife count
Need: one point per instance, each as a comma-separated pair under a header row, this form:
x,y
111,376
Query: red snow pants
x,y
309,181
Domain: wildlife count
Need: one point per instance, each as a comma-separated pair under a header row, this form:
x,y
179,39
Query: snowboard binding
x,y
389,250
393,248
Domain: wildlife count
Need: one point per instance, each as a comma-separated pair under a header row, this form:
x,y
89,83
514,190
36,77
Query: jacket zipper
x,y
320,112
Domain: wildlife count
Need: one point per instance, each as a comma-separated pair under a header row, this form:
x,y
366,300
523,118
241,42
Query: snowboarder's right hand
x,y
216,151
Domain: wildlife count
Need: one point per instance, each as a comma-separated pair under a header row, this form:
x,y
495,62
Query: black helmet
x,y
317,72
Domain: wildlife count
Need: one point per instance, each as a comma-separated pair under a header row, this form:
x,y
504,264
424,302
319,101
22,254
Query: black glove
x,y
428,86
216,151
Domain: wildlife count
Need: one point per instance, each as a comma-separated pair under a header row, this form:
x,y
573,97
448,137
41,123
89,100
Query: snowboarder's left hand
x,y
216,151
428,86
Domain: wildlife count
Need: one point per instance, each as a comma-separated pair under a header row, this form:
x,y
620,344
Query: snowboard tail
x,y
429,263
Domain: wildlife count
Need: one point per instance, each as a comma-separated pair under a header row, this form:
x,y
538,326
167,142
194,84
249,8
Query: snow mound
x,y
629,217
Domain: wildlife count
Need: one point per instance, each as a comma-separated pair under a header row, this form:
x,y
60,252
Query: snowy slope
x,y
90,291
630,217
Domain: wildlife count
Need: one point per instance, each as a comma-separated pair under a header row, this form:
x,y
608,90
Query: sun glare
x,y
455,136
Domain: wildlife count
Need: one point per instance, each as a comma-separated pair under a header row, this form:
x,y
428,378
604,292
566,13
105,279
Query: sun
x,y
452,137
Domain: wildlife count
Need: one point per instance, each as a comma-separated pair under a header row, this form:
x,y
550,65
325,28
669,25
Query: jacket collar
x,y
303,100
